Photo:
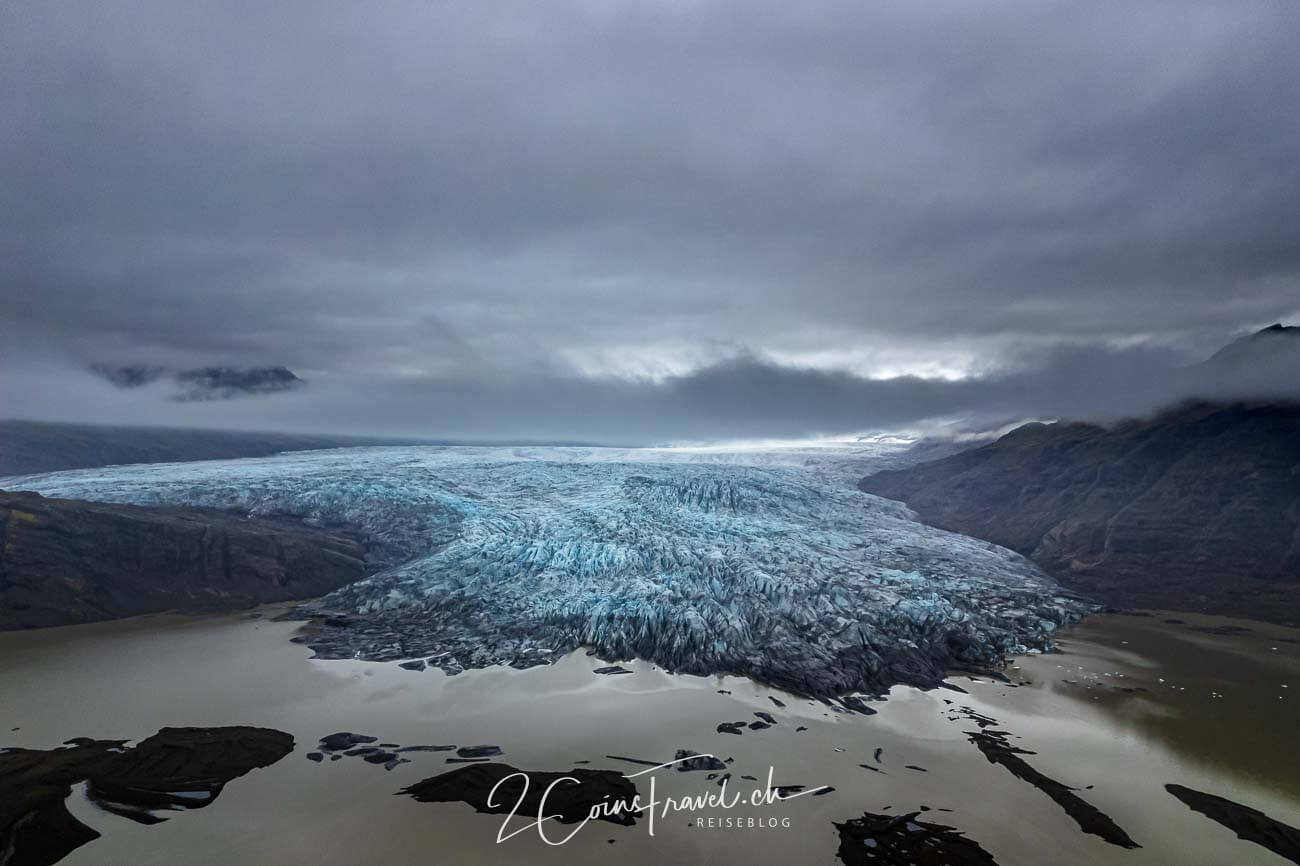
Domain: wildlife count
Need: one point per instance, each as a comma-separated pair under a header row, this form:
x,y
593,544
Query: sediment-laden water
x,y
1130,705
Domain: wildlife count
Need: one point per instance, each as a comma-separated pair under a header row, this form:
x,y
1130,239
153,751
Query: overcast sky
x,y
636,221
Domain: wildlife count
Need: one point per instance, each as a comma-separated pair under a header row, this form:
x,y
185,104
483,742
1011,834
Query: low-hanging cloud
x,y
641,220
741,398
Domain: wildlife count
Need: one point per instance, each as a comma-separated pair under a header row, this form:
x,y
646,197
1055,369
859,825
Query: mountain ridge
x,y
66,561
1195,508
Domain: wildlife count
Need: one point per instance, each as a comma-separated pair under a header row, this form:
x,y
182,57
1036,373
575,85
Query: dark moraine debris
x,y
417,665
731,728
871,768
175,769
879,751
767,717
379,757
689,761
776,701
1249,824
1221,630
634,760
467,760
800,728
857,705
425,748
979,719
758,726
315,756
1090,819
953,688
902,840
479,751
344,740
611,670
915,767
569,802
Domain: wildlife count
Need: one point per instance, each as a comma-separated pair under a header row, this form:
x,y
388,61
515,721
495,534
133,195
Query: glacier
x,y
766,563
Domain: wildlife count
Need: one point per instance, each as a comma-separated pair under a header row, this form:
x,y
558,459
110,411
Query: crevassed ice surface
x,y
764,563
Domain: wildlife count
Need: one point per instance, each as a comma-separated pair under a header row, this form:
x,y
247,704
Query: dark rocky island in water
x,y
1249,824
567,803
905,840
175,769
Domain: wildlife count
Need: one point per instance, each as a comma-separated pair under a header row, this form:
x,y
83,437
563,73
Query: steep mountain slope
x,y
1273,347
67,561
1197,508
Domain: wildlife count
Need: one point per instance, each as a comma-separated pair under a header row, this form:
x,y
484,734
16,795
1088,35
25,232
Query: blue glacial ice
x,y
765,563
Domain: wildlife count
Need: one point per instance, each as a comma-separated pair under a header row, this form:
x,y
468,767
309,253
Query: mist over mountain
x,y
742,397
34,446
204,383
1196,508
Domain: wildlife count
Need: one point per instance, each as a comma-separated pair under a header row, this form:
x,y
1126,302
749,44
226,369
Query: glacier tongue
x,y
775,569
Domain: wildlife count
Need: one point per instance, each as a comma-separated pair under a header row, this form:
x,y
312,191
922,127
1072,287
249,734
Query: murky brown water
x,y
127,679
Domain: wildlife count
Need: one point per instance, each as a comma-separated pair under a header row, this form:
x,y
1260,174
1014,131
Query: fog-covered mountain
x,y
1272,348
35,446
1196,508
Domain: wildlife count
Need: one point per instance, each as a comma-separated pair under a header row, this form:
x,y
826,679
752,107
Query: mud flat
x,y
1134,703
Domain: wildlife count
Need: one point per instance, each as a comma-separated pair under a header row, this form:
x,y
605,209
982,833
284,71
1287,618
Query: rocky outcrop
x,y
176,769
499,789
69,561
1197,508
998,749
1249,824
906,840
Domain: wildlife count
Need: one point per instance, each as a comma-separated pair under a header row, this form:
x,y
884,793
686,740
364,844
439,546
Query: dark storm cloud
x,y
514,209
